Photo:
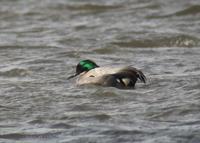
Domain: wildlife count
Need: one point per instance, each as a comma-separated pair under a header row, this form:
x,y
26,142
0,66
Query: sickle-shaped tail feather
x,y
141,76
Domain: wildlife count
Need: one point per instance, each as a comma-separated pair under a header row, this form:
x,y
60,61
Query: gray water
x,y
41,41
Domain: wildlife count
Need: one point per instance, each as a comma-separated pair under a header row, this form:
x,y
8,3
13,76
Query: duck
x,y
123,77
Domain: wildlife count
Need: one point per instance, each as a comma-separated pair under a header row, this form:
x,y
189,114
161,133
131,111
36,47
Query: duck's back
x,y
120,77
101,71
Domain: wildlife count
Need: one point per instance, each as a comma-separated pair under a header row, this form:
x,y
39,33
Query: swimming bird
x,y
120,77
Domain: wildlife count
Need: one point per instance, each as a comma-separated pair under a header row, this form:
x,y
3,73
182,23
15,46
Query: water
x,y
42,41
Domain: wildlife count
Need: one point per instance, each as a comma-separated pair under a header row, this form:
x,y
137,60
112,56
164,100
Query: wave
x,y
195,9
192,10
174,41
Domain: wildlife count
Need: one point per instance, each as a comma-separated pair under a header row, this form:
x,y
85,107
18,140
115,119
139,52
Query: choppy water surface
x,y
42,41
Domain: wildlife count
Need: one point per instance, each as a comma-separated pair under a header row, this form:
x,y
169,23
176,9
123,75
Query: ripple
x,y
18,136
62,126
170,113
37,121
189,123
102,117
70,54
124,132
25,47
43,61
94,8
104,50
15,72
101,92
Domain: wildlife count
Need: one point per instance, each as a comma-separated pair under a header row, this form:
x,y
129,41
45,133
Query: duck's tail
x,y
135,73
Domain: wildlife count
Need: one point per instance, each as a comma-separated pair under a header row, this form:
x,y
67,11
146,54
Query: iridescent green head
x,y
84,66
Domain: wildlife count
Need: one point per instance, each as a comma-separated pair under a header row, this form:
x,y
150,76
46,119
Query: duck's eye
x,y
91,76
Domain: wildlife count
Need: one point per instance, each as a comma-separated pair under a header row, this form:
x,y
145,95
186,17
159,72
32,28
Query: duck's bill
x,y
72,76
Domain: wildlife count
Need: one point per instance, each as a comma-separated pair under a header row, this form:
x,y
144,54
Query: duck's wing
x,y
128,76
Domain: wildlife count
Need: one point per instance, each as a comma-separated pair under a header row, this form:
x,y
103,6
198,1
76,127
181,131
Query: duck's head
x,y
84,66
